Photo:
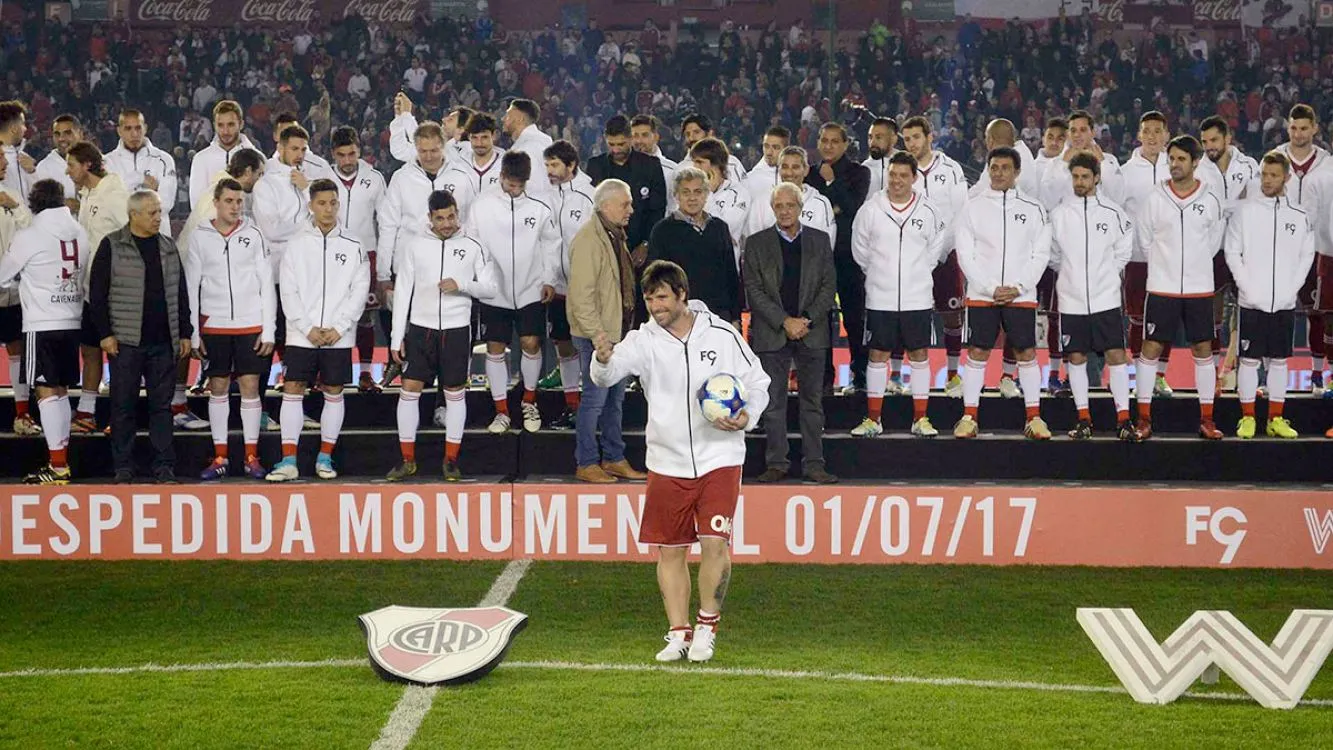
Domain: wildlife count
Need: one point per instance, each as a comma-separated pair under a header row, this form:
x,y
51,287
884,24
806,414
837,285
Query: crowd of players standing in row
x,y
1179,221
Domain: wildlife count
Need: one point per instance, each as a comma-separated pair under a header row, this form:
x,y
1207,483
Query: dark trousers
x,y
810,390
852,303
156,365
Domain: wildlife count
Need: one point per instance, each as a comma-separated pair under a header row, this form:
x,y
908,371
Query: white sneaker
x,y
954,388
923,428
1009,388
499,424
26,427
284,471
532,417
677,646
868,428
701,649
439,416
895,388
186,421
1161,389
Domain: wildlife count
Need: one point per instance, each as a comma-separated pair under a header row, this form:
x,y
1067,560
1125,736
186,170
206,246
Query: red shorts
x,y
950,288
1136,290
1323,296
676,512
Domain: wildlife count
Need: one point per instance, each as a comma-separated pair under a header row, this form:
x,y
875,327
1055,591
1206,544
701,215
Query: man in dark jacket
x,y
643,173
700,244
141,311
790,282
845,184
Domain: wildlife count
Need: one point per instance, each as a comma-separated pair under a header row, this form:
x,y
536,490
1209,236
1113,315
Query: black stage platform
x,y
369,445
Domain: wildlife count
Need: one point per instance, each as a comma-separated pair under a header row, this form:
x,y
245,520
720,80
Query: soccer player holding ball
x,y
694,464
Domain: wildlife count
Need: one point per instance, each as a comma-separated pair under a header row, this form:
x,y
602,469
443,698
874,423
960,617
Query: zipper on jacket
x,y
1273,289
324,281
1004,238
689,405
513,251
231,294
439,295
901,227
1181,209
1087,258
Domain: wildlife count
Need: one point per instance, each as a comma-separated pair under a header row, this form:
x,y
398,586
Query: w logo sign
x,y
1321,529
1276,677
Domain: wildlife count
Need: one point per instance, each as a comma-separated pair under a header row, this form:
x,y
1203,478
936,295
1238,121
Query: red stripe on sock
x,y
874,407
529,397
59,458
571,400
409,451
326,448
451,451
289,450
919,408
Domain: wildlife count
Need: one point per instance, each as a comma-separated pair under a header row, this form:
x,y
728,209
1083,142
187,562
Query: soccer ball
x,y
722,395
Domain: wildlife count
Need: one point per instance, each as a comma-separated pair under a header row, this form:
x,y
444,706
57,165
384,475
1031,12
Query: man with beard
x,y
227,141
65,132
883,142
696,127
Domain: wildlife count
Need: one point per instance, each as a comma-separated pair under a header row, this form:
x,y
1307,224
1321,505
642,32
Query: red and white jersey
x,y
1180,234
944,184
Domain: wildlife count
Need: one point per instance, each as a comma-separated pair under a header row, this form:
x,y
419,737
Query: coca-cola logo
x,y
1217,11
270,11
383,11
1112,11
175,11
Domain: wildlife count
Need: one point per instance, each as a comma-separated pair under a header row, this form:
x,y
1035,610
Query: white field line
x,y
416,702
772,674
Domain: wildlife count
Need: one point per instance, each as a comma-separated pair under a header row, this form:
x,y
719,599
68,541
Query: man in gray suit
x,y
790,282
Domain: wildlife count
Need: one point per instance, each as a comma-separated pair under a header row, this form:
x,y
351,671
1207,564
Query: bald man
x,y
1001,132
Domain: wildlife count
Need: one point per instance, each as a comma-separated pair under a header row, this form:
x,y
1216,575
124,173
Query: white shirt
x,y
102,210
426,261
15,178
1057,185
1092,240
898,249
1313,192
282,210
134,166
1003,239
521,236
359,197
573,207
1241,180
1270,246
415,78
209,162
681,442
324,281
226,276
358,86
761,180
313,165
49,255
1180,235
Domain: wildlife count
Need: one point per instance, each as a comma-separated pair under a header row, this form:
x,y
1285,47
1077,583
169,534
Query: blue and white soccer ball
x,y
722,395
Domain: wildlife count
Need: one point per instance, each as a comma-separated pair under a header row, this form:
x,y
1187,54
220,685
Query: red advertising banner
x,y
987,525
298,12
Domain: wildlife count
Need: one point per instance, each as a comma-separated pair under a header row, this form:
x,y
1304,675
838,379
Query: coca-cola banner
x,y
1178,12
272,12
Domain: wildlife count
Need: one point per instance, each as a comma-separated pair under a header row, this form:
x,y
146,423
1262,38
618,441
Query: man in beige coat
x,y
601,302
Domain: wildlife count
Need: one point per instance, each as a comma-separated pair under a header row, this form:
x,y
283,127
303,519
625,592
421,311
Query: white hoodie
x,y
760,181
533,142
944,184
681,442
1092,241
209,162
324,280
1057,186
11,220
103,210
54,167
315,166
282,210
403,210
573,206
1003,239
1312,193
426,261
816,213
1180,236
359,198
898,251
1270,245
49,255
134,166
731,203
226,276
1241,180
16,178
520,236
1139,178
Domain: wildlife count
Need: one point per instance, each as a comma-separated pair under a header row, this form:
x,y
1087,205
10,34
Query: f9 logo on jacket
x,y
460,253
918,224
1021,218
243,241
709,356
1290,227
576,214
1198,208
341,258
530,221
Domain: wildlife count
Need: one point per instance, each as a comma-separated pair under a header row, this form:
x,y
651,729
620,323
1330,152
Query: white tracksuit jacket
x,y
731,203
12,220
1240,181
816,213
1003,239
209,162
1057,186
1180,236
324,281
133,166
54,167
681,442
898,251
1313,193
49,255
760,181
520,236
1140,178
230,279
428,260
572,203
403,128
315,166
1270,245
533,142
1092,240
944,184
103,210
403,210
358,203
282,210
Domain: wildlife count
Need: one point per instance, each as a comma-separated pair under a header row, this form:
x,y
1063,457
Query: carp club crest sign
x,y
431,646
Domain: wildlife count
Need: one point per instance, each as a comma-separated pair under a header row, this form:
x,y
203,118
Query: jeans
x,y
156,365
598,408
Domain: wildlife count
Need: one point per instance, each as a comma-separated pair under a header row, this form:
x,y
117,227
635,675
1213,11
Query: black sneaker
x,y
452,472
1082,430
771,475
568,420
48,475
165,476
1125,431
819,475
123,477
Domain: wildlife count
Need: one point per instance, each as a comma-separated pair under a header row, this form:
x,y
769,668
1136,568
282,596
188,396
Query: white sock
x,y
331,419
877,378
1078,383
88,402
178,396
1008,368
455,415
974,376
252,413
530,367
22,391
219,413
365,367
1318,363
291,417
1247,379
895,366
409,416
1145,374
63,417
1120,387
920,379
50,411
1277,381
1029,380
497,374
571,373
952,362
1205,379
1162,365
1056,361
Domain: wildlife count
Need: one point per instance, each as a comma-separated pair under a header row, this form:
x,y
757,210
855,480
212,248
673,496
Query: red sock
x,y
970,411
220,451
529,397
1083,415
1247,409
289,450
919,408
409,451
451,451
1274,409
1121,415
1206,412
502,406
251,451
326,448
179,408
20,408
711,619
59,458
874,407
687,630
572,400
1032,411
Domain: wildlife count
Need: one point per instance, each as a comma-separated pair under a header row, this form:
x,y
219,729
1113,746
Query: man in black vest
x,y
141,312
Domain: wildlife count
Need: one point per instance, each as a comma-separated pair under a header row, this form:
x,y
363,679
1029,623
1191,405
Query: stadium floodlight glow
x,y
434,646
1274,676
